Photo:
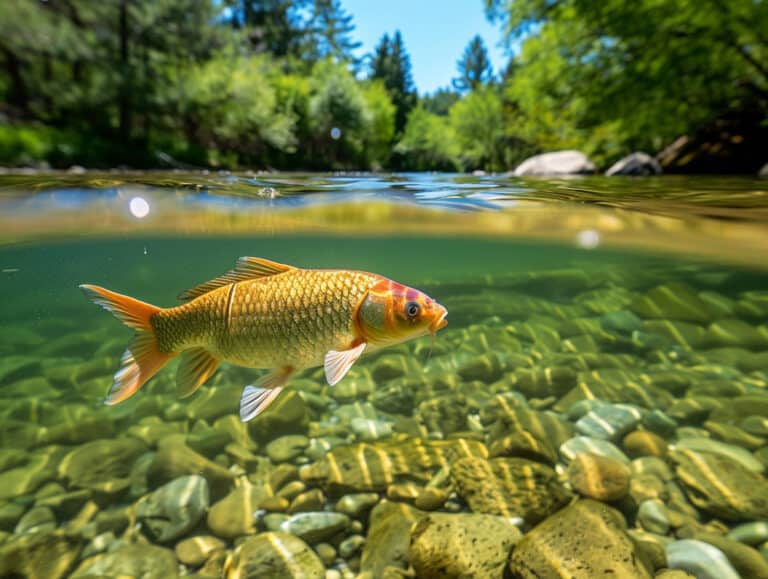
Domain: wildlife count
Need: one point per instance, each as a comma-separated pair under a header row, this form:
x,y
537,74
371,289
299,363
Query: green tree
x,y
274,26
429,143
329,31
441,101
478,121
615,76
392,65
474,67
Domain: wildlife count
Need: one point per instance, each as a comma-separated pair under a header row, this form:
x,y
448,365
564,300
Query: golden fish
x,y
264,314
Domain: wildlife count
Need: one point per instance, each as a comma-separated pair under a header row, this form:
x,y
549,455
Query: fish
x,y
267,315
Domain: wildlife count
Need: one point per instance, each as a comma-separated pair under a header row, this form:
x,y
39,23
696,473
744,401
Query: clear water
x,y
616,281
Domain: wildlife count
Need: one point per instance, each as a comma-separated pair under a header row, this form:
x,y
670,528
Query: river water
x,y
606,360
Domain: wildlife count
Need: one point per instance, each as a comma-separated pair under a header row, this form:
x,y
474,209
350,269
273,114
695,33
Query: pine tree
x,y
330,29
474,66
392,64
273,26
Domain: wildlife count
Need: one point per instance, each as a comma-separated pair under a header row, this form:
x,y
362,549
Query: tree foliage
x,y
392,65
474,67
611,76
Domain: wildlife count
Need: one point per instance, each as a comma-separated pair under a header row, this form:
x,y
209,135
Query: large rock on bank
x,y
635,164
556,163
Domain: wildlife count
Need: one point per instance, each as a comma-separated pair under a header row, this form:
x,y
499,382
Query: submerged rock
x,y
509,487
102,465
195,551
43,555
722,486
585,540
275,555
233,516
315,527
462,545
372,467
701,559
388,537
175,508
599,477
130,561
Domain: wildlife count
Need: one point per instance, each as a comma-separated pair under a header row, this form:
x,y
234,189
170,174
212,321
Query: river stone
x,y
635,164
672,301
327,553
701,559
599,477
388,538
609,422
351,546
131,561
510,487
722,486
373,467
569,162
312,500
36,520
754,533
462,545
732,434
653,516
287,448
584,540
731,452
274,555
370,430
232,516
644,443
584,444
315,527
174,459
747,561
523,444
43,555
289,414
175,508
195,550
357,504
102,465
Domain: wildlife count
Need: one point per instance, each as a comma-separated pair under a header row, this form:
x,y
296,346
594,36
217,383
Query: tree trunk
x,y
18,96
124,98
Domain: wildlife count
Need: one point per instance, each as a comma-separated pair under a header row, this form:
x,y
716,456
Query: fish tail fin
x,y
142,358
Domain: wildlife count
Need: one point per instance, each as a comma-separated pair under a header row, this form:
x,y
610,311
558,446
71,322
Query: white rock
x,y
556,163
700,559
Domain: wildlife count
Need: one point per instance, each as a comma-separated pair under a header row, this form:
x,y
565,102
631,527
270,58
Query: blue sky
x,y
435,33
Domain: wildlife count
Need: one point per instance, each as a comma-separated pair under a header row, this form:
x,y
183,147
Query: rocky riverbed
x,y
602,424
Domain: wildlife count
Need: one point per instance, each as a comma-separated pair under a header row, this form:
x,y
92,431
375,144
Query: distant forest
x,y
275,84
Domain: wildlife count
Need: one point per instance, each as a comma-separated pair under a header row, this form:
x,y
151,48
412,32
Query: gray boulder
x,y
763,172
636,164
556,163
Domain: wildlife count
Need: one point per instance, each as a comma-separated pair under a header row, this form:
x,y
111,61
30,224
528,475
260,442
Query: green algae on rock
x,y
461,545
585,540
509,487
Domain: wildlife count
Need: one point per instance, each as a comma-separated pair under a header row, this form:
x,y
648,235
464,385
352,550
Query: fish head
x,y
391,313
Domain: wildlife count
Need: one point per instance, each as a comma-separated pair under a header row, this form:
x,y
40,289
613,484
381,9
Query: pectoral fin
x,y
195,368
338,362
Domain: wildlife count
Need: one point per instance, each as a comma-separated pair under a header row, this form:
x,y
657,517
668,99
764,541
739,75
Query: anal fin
x,y
196,366
256,399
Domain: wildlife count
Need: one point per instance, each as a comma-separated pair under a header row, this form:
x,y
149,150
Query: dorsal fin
x,y
245,268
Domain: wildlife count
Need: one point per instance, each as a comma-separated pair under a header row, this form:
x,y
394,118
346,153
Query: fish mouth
x,y
439,322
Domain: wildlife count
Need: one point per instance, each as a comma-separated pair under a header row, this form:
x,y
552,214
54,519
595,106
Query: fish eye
x,y
412,309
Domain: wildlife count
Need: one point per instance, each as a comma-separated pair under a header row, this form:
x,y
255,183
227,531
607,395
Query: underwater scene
x,y
596,405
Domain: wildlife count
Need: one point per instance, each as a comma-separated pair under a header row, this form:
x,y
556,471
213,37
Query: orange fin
x,y
143,358
245,268
338,363
195,368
